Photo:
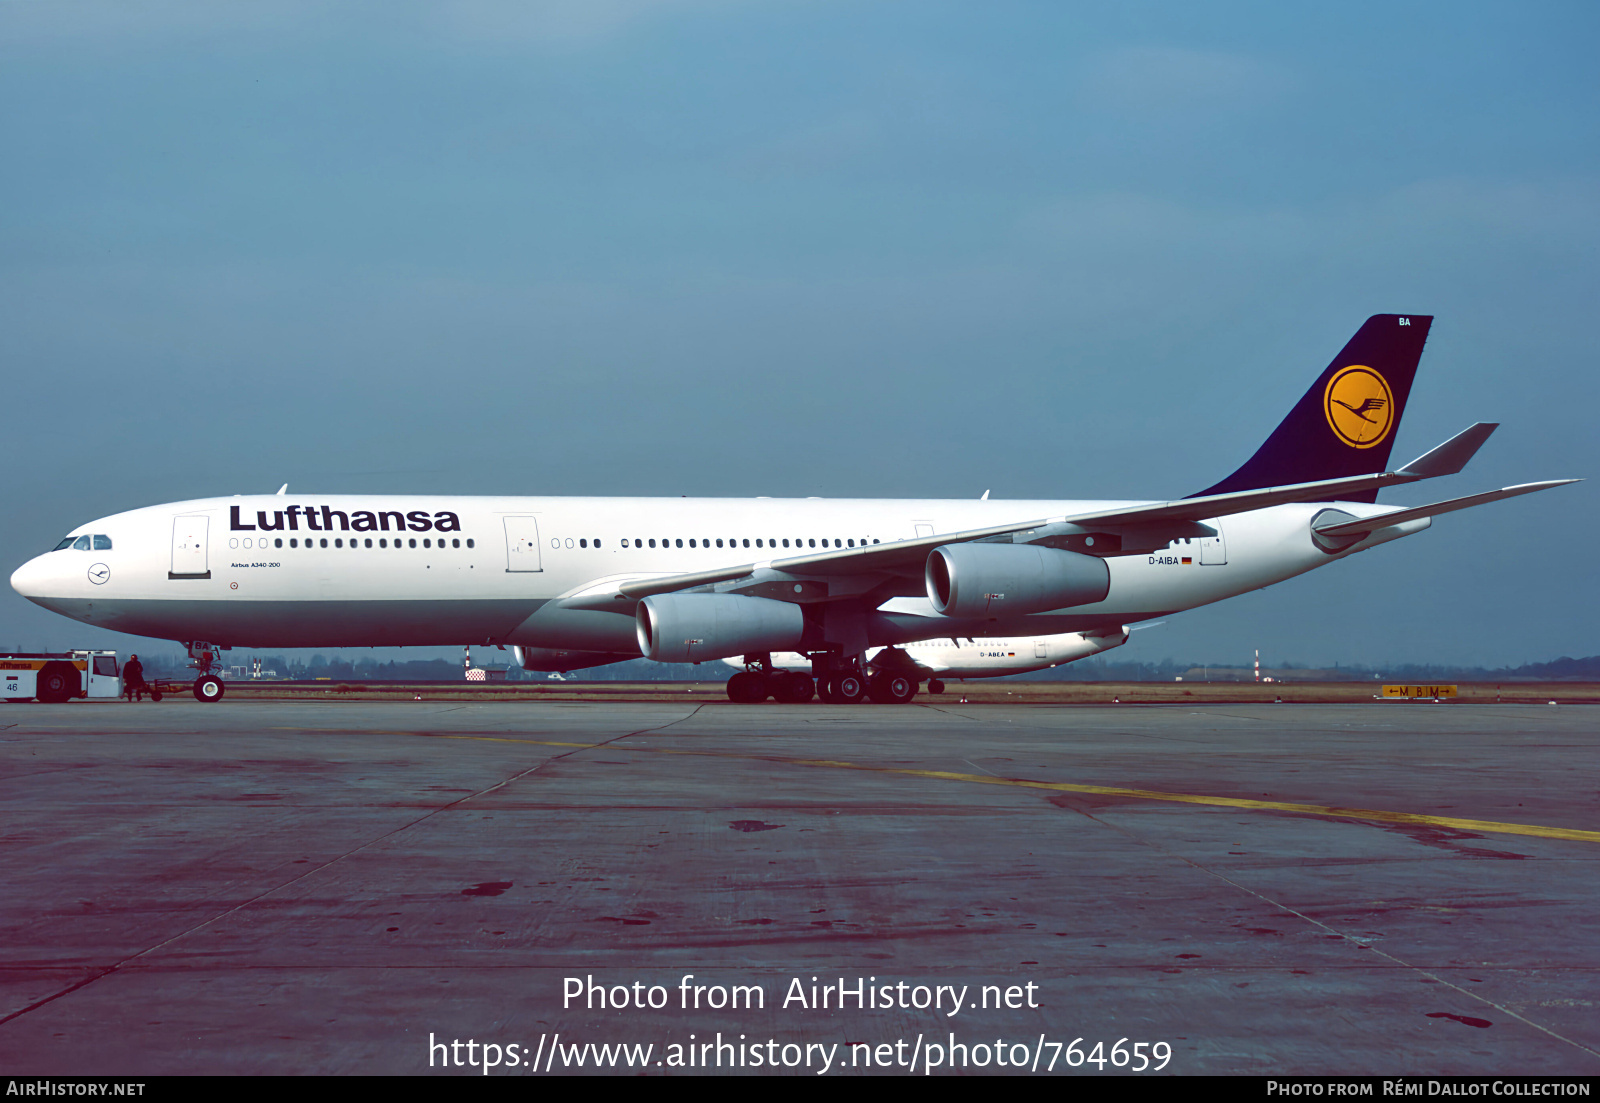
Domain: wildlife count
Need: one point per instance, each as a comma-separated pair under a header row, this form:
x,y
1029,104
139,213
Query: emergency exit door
x,y
1213,549
522,544
189,547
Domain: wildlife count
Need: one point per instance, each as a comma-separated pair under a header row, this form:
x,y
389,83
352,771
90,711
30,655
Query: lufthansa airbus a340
x,y
579,582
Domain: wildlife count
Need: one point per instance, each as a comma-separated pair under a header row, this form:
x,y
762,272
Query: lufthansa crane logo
x,y
1358,405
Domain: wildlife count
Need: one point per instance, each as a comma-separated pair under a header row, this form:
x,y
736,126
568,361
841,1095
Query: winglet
x,y
1451,456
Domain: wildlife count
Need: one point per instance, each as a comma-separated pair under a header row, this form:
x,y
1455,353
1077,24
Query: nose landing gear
x,y
208,688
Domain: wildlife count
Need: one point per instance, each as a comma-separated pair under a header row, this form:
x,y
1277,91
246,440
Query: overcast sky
x,y
842,249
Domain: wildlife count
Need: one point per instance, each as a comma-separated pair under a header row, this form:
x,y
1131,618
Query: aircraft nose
x,y
33,579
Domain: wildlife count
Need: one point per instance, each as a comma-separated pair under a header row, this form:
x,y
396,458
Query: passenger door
x,y
522,544
189,541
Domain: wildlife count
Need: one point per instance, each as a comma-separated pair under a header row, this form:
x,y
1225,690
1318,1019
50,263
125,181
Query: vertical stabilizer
x,y
1346,423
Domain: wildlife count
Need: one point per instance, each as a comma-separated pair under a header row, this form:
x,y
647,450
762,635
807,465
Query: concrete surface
x,y
293,886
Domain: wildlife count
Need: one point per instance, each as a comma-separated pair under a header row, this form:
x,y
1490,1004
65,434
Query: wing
x,y
1137,527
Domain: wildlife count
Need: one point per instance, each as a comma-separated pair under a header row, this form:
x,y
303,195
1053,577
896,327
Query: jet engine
x,y
693,628
995,580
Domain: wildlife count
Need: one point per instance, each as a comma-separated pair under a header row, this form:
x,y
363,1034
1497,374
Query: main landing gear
x,y
752,687
838,682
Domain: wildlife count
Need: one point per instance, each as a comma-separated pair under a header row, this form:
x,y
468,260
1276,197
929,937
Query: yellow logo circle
x,y
1358,405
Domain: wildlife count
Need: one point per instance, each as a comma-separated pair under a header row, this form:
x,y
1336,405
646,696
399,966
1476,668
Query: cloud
x,y
1166,78
114,21
1552,213
814,149
556,21
510,21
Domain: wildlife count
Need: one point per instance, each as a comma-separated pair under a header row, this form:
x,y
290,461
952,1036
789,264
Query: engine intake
x,y
996,580
696,628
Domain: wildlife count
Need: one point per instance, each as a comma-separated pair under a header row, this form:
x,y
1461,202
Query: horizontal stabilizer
x,y
1386,520
1451,456
908,556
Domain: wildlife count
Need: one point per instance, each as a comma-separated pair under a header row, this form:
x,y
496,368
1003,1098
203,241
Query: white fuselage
x,y
970,656
342,570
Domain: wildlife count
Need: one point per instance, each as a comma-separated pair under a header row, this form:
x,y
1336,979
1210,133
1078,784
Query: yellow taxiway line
x,y
1374,815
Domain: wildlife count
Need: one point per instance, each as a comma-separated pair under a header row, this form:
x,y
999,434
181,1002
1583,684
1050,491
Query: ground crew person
x,y
133,684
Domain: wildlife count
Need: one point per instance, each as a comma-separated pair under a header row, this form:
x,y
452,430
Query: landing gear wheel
x,y
208,689
793,688
935,685
891,689
848,689
57,683
747,688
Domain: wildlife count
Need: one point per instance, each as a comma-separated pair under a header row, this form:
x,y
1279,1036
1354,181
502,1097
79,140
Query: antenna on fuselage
x,y
282,490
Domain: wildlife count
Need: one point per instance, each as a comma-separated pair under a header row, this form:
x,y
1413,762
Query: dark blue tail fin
x,y
1346,423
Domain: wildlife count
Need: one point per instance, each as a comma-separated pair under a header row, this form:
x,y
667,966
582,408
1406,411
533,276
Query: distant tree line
x,y
1094,669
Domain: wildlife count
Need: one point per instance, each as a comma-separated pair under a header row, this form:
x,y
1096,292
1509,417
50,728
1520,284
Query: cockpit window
x,y
67,543
81,544
102,543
